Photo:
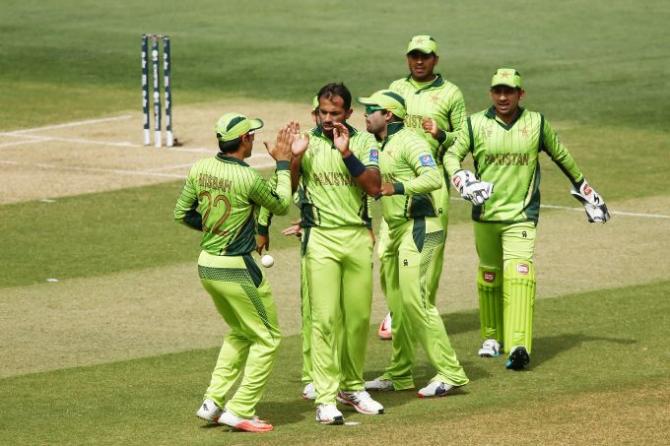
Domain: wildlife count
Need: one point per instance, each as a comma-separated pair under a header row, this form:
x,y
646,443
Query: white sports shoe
x,y
379,384
309,392
254,424
435,388
384,331
209,411
490,348
328,414
361,401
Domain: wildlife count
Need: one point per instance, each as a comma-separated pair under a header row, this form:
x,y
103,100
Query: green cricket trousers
x,y
243,297
338,266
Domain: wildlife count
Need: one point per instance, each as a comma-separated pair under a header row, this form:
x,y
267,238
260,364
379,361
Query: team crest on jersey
x,y
522,268
489,276
374,155
427,160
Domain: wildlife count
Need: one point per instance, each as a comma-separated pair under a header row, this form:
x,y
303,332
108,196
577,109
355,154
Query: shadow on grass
x,y
282,413
547,347
461,322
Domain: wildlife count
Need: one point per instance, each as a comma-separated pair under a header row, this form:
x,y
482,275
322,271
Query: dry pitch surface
x,y
159,310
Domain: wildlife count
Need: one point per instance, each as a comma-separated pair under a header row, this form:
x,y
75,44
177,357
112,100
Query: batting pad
x,y
489,288
518,303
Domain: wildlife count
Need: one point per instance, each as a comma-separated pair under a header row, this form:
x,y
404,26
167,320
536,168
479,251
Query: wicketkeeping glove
x,y
594,205
470,188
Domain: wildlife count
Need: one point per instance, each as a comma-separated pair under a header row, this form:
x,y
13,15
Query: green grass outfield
x,y
152,400
598,70
602,61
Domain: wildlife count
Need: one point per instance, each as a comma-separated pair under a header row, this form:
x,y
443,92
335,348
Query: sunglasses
x,y
370,109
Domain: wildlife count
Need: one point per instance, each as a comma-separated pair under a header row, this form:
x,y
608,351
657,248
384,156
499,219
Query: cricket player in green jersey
x,y
505,142
337,166
219,199
263,242
436,108
409,175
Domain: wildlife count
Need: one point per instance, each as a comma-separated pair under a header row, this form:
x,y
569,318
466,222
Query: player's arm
x,y
465,182
428,178
455,116
594,204
559,154
455,155
277,200
298,148
185,210
366,176
263,222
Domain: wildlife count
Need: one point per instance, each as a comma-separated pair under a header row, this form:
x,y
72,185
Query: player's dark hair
x,y
336,89
230,146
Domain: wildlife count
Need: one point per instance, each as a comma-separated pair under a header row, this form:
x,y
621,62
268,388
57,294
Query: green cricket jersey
x,y
407,162
331,197
507,156
220,196
438,99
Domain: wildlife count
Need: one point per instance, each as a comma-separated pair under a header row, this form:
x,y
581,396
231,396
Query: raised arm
x,y
367,177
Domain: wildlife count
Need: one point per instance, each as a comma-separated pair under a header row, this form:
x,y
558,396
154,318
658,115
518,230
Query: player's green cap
x,y
506,76
386,100
423,43
315,102
233,125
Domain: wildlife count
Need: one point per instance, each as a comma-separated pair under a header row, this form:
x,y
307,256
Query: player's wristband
x,y
441,136
283,165
354,165
398,189
263,230
193,219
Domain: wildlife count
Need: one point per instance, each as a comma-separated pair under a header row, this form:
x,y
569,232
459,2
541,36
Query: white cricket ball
x,y
267,261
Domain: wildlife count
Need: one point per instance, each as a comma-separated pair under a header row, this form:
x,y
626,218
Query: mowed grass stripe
x,y
574,73
132,228
153,310
593,352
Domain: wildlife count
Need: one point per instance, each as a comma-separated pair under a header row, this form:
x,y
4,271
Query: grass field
x,y
117,348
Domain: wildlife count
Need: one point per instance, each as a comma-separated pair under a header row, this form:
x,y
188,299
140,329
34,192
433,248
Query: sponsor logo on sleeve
x,y
522,268
374,155
427,160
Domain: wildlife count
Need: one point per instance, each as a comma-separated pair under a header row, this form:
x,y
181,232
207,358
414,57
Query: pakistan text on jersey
x,y
413,121
507,159
211,182
332,179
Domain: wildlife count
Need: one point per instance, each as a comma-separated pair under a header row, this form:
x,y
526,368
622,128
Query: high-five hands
x,y
300,140
281,151
341,137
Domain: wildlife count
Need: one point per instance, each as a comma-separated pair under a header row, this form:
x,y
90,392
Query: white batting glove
x,y
594,205
470,188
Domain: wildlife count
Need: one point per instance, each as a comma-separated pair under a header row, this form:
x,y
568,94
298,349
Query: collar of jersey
x,y
318,131
437,82
391,129
225,158
491,114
